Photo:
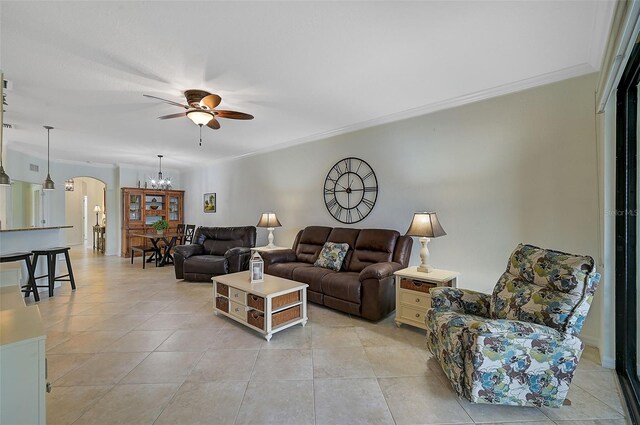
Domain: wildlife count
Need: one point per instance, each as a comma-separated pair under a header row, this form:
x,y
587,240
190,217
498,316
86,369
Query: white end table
x,y
412,293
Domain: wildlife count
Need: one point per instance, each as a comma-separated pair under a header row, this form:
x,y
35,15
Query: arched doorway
x,y
85,207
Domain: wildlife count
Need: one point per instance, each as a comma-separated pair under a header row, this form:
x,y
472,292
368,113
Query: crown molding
x,y
501,90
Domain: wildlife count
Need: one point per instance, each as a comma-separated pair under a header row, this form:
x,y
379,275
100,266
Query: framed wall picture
x,y
209,202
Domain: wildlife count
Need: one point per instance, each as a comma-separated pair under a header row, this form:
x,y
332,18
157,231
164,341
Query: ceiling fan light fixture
x,y
200,117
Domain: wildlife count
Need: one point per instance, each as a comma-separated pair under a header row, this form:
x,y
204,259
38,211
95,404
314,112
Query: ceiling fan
x,y
201,109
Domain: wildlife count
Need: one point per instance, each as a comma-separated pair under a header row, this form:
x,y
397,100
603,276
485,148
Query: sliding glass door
x,y
626,230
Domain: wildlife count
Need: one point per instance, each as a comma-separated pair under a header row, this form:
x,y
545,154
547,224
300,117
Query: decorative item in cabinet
x,y
135,210
412,293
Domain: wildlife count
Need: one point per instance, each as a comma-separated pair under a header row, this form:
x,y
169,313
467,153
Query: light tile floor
x,y
133,346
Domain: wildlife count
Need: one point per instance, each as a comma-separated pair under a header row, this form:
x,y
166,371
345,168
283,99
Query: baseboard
x,y
608,362
589,340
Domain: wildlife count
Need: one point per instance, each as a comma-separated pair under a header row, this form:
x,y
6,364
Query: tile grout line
x,y
173,396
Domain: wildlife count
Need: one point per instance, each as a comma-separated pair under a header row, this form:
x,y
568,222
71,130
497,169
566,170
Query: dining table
x,y
169,239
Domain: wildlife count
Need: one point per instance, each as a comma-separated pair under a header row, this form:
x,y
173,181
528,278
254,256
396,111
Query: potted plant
x,y
160,226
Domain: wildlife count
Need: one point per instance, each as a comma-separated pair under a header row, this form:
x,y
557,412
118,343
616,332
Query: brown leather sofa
x,y
214,251
364,286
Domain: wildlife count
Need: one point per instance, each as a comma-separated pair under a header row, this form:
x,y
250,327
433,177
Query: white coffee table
x,y
267,307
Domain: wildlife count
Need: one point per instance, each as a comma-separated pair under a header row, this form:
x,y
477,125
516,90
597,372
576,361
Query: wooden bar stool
x,y
26,257
52,254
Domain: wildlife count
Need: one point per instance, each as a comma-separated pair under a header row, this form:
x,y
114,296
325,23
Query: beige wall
x,y
517,168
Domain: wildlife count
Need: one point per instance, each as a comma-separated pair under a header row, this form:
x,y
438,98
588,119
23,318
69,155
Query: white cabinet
x,y
412,293
22,361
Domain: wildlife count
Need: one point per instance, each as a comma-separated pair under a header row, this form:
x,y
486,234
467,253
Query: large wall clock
x,y
350,190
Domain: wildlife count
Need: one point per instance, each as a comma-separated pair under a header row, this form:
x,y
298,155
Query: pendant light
x,y
4,177
161,183
48,183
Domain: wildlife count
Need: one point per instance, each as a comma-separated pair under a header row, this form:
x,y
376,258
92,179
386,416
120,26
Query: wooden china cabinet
x,y
143,207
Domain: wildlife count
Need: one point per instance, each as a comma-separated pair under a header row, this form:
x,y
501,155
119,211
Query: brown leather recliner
x,y
214,251
365,285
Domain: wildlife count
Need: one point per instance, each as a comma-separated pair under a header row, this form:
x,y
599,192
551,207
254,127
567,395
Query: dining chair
x,y
188,233
180,230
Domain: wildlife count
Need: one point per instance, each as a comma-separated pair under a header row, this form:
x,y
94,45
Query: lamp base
x,y
425,269
270,238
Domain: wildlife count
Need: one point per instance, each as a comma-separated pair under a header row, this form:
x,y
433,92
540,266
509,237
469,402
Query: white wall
x,y
517,168
113,176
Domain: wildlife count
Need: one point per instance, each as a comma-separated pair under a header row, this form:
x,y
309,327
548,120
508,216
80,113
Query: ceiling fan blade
x,y
179,114
170,102
211,101
214,124
233,115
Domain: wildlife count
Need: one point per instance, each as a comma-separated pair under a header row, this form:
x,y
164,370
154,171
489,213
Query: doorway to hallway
x,y
85,210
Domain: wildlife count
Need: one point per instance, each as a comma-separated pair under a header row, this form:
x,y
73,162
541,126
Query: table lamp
x,y
97,210
425,225
270,221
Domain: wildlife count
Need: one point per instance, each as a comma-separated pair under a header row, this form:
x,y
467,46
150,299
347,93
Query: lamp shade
x,y
269,219
199,117
48,184
97,208
425,224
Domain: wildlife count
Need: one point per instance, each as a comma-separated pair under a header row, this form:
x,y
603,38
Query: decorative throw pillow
x,y
332,255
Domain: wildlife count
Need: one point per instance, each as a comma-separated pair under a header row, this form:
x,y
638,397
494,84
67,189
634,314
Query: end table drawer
x,y
238,296
416,285
413,314
237,310
417,299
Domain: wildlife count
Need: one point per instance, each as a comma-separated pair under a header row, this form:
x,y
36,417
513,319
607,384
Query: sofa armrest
x,y
238,258
189,250
379,270
466,301
278,256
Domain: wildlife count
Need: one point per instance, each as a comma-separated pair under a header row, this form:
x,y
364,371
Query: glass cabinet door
x,y
135,207
174,208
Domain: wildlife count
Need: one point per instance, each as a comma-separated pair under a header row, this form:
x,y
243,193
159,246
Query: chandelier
x,y
160,183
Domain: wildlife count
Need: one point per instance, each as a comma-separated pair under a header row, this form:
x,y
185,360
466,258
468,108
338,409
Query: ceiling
x,y
305,70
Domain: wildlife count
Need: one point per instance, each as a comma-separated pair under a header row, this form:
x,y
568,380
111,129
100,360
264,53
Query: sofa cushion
x,y
343,285
311,276
332,255
373,246
342,305
219,247
311,242
285,270
205,264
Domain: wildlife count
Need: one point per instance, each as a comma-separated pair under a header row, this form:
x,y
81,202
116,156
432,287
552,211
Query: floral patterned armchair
x,y
518,346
